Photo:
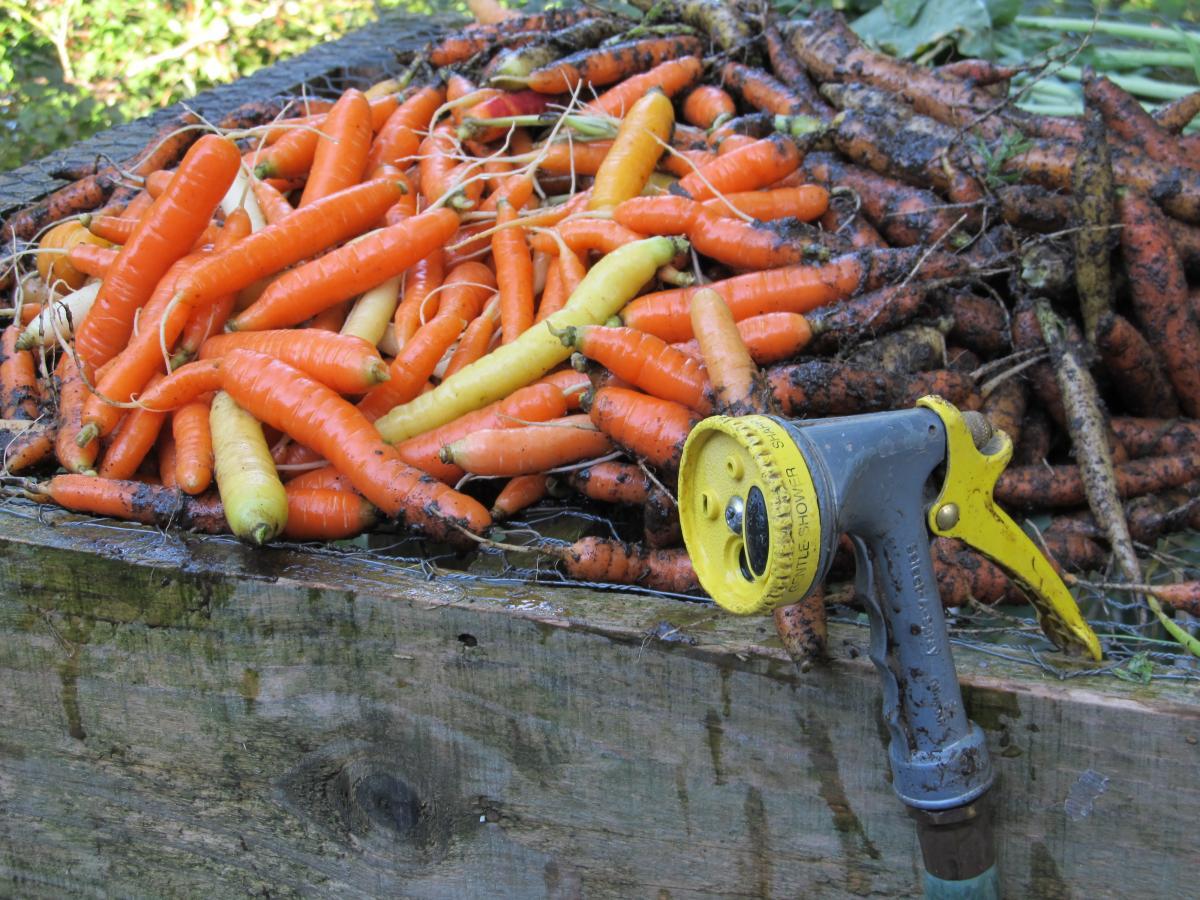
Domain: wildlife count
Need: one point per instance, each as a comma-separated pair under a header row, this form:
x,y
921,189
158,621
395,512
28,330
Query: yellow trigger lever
x,y
965,509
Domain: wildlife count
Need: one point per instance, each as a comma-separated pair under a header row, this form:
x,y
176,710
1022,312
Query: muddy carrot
x,y
1057,487
1127,119
1004,407
1134,368
1092,197
606,65
1158,289
613,482
763,92
133,501
606,560
18,378
1088,430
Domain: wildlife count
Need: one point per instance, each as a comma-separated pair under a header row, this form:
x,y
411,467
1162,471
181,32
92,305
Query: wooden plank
x,y
188,716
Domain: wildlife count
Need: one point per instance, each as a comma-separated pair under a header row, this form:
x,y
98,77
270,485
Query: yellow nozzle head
x,y
749,513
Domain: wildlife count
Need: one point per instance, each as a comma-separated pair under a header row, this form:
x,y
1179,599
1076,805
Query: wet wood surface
x,y
185,716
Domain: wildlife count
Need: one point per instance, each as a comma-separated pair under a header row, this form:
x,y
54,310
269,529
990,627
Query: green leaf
x,y
966,23
1139,669
1193,48
1003,11
903,12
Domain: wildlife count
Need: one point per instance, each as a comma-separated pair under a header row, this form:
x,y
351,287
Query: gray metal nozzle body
x,y
872,477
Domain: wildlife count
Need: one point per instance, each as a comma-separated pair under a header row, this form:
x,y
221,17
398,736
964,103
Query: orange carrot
x,y
283,397
92,260
166,459
465,290
342,362
647,427
670,77
535,403
164,235
770,338
291,156
202,323
572,384
347,271
133,440
114,229
807,202
646,362
437,163
520,493
304,232
341,155
473,344
274,206
316,514
737,384
420,281
183,386
193,447
72,391
585,235
529,449
708,106
399,138
514,274
324,478
554,296
751,167
416,361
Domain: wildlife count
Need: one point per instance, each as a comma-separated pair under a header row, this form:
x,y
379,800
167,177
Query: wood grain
x,y
187,716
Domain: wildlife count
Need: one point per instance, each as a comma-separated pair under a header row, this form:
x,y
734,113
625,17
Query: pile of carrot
x,y
522,271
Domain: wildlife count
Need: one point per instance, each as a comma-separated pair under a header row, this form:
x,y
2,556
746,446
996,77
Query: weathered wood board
x,y
189,717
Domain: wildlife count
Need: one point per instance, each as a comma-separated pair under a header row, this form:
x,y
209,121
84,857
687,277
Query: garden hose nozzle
x,y
762,504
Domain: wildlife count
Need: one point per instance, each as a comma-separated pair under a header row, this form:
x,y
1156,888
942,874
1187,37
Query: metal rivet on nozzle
x,y
947,517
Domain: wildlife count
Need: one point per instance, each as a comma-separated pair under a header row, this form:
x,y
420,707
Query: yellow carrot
x,y
251,492
639,143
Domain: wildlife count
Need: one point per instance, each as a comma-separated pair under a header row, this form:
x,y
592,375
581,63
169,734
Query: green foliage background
x,y
70,68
